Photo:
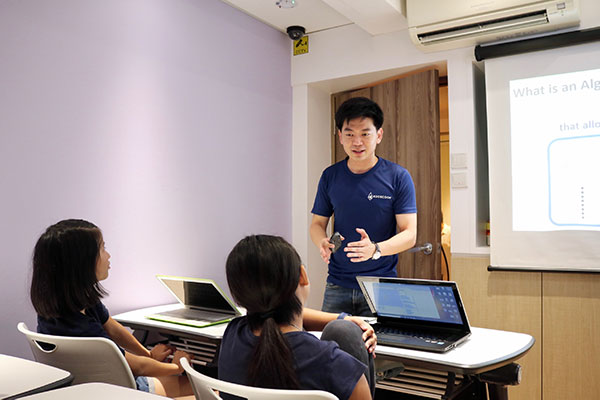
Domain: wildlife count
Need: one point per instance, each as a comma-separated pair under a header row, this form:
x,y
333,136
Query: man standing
x,y
373,204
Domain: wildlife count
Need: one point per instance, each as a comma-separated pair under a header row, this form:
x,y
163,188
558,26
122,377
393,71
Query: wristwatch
x,y
377,253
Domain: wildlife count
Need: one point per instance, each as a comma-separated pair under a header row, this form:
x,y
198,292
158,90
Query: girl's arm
x,y
122,337
315,320
126,340
142,361
361,390
146,366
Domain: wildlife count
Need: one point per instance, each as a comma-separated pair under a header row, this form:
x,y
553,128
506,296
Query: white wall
x,y
346,57
165,122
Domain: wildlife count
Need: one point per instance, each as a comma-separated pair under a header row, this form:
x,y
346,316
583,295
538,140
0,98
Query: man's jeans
x,y
339,299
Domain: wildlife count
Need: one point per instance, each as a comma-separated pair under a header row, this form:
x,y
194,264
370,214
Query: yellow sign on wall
x,y
301,46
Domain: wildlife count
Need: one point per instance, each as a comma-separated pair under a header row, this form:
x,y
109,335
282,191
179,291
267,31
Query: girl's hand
x,y
161,351
368,336
178,355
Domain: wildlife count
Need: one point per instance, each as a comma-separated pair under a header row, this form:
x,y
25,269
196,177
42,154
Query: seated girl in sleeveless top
x,y
269,348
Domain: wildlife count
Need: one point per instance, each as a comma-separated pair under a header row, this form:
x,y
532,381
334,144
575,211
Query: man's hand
x,y
362,250
368,336
325,248
161,351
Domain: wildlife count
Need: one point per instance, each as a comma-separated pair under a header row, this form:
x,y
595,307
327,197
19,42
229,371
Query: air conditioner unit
x,y
446,24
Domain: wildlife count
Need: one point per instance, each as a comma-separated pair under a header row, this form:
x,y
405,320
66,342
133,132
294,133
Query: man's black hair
x,y
358,107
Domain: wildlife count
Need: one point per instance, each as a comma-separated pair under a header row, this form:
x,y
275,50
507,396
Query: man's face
x,y
359,137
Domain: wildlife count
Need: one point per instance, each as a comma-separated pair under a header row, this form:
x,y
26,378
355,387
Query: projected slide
x,y
555,150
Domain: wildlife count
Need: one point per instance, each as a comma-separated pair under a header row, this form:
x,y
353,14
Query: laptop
x,y
205,303
415,313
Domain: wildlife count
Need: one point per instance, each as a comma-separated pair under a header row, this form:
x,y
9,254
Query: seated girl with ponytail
x,y
269,348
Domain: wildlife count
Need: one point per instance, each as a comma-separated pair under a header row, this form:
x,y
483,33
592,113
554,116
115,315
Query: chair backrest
x,y
204,387
88,359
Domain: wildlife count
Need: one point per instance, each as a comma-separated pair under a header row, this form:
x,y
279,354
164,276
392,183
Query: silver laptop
x,y
415,313
204,302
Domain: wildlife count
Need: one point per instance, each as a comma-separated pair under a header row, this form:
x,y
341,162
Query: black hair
x,y
358,107
263,273
64,269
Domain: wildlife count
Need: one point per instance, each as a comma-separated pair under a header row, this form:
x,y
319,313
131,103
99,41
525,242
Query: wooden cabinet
x,y
562,312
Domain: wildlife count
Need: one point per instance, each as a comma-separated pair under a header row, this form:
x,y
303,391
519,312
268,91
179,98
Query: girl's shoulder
x,y
98,312
237,329
236,324
75,324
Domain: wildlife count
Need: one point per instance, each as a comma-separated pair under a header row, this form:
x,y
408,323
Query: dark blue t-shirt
x,y
369,201
77,324
320,365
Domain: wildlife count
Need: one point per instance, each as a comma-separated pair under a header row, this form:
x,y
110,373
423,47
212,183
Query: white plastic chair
x,y
88,359
204,387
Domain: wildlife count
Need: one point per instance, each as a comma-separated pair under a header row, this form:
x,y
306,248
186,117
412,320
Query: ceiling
x,y
374,16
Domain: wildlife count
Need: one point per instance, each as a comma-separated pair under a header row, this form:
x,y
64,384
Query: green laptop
x,y
204,303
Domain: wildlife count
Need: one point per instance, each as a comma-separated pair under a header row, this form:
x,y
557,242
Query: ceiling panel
x,y
313,15
374,16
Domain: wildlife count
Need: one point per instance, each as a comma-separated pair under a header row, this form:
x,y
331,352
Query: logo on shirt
x,y
372,196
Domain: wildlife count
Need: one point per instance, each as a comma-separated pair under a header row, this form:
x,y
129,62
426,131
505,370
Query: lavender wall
x,y
165,122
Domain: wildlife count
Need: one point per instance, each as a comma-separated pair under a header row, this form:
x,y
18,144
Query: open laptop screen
x,y
198,294
423,302
204,295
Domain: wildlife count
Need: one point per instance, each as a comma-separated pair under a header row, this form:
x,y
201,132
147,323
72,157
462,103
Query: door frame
x,y
403,129
311,154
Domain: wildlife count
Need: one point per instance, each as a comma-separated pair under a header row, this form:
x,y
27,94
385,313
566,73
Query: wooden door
x,y
411,138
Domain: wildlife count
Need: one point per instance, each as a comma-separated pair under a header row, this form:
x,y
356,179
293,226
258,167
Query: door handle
x,y
426,248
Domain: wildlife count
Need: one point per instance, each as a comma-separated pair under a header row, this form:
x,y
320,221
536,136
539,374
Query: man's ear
x,y
303,277
379,135
339,135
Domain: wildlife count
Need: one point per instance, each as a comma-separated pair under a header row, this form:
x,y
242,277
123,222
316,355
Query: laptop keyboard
x,y
395,334
195,315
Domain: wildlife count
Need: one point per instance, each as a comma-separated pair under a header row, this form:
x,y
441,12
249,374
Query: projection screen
x,y
543,113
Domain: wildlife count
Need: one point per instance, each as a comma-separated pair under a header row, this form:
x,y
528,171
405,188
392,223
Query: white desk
x,y
94,391
202,342
138,318
19,377
448,374
484,350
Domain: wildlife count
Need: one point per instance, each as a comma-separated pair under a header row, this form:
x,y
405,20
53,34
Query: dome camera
x,y
295,32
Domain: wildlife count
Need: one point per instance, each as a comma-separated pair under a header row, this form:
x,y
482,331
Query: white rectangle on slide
x,y
574,182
